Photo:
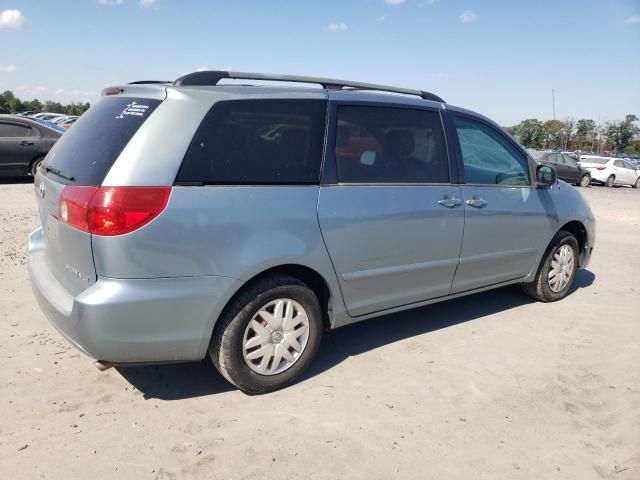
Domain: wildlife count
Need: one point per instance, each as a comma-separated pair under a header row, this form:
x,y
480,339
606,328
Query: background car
x,y
611,171
67,123
567,168
24,143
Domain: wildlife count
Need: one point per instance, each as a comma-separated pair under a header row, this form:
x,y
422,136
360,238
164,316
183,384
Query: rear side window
x,y
248,142
390,145
87,151
11,130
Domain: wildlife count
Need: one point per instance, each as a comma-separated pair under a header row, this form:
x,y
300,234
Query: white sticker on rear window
x,y
134,109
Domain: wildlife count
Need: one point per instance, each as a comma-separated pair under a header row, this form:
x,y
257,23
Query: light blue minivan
x,y
206,216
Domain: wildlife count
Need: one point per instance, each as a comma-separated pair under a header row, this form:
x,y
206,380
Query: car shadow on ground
x,y
15,180
188,380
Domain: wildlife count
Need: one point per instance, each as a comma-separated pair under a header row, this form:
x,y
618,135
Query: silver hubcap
x,y
585,181
275,337
561,268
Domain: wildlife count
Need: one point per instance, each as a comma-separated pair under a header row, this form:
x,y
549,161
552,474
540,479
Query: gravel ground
x,y
490,386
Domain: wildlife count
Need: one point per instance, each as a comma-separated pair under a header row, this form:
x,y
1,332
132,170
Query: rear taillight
x,y
111,210
601,168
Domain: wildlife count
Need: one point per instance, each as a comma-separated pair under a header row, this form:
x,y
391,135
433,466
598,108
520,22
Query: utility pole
x,y
553,102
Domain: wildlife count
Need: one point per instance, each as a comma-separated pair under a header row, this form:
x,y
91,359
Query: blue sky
x,y
501,58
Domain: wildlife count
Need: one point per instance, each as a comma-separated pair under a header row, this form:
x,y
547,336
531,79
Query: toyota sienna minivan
x,y
202,216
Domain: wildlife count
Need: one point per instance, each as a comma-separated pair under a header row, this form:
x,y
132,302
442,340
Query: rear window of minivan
x,y
88,150
257,142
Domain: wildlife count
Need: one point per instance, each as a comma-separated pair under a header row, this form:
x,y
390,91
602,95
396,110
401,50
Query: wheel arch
x,y
37,157
312,278
578,230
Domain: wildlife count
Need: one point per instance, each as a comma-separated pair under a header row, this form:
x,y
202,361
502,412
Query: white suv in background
x,y
611,171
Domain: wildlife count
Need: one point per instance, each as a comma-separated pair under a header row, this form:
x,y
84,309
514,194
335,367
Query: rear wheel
x,y
610,181
268,334
585,181
34,166
557,271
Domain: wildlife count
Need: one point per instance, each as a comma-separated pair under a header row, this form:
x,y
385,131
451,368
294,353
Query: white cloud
x,y
635,19
146,3
110,2
10,68
337,27
426,3
468,16
380,19
11,19
394,2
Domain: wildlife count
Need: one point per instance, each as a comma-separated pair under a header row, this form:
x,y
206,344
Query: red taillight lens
x,y
73,206
111,210
601,168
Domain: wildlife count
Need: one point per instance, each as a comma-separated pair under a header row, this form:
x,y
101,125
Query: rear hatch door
x,y
82,157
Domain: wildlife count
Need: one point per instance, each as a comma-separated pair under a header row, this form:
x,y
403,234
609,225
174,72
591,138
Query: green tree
x,y
554,133
9,103
621,134
529,133
585,127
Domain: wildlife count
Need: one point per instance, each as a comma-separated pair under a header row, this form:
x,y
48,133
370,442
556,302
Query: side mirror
x,y
545,176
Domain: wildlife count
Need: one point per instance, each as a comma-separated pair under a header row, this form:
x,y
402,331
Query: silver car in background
x,y
194,217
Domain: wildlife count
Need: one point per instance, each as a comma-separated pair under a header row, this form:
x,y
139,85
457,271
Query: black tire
x,y
585,181
610,181
637,184
33,169
540,288
226,346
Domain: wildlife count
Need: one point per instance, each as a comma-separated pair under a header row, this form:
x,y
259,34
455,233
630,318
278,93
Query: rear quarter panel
x,y
228,231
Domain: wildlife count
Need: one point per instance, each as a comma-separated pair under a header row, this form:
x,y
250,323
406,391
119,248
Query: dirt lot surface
x,y
490,386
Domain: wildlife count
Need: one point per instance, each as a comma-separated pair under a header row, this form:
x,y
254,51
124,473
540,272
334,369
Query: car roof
x,y
30,122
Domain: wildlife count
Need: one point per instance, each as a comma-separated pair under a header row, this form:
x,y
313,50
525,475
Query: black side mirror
x,y
545,176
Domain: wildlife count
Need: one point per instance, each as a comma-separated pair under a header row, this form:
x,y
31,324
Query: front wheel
x,y
268,334
557,271
610,181
637,184
585,181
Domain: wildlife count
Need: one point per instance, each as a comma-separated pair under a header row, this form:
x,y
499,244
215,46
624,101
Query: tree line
x,y
9,103
584,134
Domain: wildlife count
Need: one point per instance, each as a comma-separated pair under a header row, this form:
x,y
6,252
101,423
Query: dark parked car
x,y
568,168
23,145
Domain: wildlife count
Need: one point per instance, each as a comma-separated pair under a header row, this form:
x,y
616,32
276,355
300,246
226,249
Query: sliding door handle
x,y
477,202
450,202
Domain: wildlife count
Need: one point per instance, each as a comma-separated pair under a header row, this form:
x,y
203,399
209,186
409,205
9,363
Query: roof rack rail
x,y
212,77
143,82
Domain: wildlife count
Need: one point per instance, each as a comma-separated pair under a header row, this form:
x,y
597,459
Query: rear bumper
x,y
599,175
132,320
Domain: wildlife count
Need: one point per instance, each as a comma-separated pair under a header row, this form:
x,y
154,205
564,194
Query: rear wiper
x,y
57,172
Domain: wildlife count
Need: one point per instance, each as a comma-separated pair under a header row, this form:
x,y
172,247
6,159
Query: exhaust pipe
x,y
102,365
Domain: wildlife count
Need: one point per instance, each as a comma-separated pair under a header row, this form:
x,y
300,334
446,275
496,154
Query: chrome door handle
x,y
477,202
450,202
25,143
